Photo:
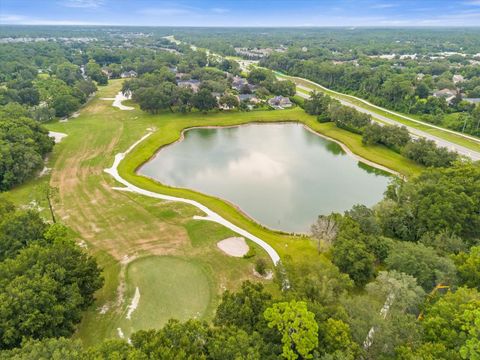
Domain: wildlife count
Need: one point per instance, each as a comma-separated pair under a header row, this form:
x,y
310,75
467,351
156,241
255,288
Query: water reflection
x,y
372,170
280,174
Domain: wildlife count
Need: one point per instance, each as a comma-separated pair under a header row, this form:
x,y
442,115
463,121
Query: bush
x,y
324,118
261,266
427,153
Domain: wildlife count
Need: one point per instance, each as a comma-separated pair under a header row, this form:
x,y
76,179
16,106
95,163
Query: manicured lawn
x,y
169,287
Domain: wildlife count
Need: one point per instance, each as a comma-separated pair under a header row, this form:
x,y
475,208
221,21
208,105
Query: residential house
x,y
238,83
128,74
447,94
192,84
107,72
248,97
280,102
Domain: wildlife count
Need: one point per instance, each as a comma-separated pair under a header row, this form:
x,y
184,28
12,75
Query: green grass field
x,y
160,297
133,237
158,279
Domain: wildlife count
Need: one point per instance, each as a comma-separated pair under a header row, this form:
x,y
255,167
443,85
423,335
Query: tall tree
x,y
297,326
203,100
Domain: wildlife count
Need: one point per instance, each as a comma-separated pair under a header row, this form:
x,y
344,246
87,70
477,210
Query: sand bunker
x,y
234,246
57,136
118,101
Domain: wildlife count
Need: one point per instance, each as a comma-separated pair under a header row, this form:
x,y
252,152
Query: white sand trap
x,y
234,246
134,304
57,136
118,101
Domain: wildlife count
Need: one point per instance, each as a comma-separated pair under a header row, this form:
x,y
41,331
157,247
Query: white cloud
x,y
472,2
62,22
82,3
220,10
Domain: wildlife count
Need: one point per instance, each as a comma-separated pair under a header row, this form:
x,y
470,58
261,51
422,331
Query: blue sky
x,y
242,12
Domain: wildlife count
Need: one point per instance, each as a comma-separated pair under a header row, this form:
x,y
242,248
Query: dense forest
x,y
46,278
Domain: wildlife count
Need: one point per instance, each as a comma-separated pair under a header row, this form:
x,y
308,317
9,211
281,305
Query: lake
x,y
281,175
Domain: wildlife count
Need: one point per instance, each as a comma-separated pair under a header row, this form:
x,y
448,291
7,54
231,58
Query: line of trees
x,y
397,138
394,84
24,143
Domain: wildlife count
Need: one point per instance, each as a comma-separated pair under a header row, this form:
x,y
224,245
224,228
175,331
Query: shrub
x,y
261,266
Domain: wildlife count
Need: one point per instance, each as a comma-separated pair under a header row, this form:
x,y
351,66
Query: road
x,y
474,155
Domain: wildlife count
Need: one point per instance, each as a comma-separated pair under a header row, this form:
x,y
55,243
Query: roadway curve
x,y
472,154
210,215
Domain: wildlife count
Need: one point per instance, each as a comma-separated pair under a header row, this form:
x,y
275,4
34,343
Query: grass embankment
x,y
457,139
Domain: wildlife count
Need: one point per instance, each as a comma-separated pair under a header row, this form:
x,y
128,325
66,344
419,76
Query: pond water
x,y
281,175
